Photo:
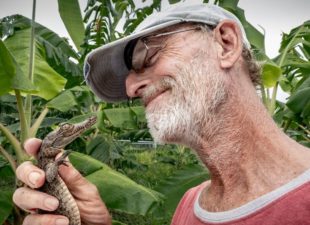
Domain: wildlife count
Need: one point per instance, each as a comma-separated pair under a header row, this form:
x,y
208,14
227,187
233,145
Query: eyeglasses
x,y
145,55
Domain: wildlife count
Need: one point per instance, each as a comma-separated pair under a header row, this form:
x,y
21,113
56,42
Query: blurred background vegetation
x,y
41,85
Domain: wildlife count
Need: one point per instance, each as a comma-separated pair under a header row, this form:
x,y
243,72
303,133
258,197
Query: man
x,y
193,70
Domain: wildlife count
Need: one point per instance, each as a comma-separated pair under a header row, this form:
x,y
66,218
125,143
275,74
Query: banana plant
x,y
289,70
293,61
39,79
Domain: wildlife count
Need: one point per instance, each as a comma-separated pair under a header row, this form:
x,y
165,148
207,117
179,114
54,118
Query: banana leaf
x,y
118,191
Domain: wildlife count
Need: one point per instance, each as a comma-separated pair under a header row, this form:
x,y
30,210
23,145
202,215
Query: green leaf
x,y
6,192
295,39
175,186
71,16
17,80
232,4
173,1
63,102
255,37
294,61
48,82
306,111
7,69
114,222
19,22
270,74
96,146
120,117
59,53
303,83
117,191
140,113
300,101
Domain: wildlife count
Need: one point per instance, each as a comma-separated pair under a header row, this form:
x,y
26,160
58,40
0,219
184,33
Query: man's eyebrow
x,y
154,40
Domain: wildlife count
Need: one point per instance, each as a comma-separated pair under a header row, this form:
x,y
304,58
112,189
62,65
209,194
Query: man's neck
x,y
248,157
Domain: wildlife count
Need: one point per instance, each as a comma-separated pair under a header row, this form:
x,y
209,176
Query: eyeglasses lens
x,y
139,55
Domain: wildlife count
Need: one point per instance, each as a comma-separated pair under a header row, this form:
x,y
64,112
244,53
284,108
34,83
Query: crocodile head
x,y
67,132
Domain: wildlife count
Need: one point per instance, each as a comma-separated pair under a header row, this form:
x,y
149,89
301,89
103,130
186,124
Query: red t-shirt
x,y
287,205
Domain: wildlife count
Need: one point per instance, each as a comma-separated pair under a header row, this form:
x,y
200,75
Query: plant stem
x,y
304,129
20,154
28,101
9,158
37,123
273,99
287,124
264,97
22,117
267,94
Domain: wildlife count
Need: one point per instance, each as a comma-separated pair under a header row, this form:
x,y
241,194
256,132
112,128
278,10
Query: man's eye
x,y
152,57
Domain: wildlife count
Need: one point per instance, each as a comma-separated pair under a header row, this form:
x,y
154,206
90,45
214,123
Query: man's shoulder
x,y
185,210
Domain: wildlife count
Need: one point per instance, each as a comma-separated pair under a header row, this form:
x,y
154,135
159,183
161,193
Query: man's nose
x,y
135,83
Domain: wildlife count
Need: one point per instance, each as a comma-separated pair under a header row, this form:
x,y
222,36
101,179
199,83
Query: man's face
x,y
181,89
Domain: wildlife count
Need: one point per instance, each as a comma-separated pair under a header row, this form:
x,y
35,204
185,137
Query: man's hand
x,y
92,209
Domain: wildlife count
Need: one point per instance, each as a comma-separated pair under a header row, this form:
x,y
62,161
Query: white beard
x,y
188,109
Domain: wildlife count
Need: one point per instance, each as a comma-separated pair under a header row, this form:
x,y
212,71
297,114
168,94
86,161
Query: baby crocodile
x,y
52,145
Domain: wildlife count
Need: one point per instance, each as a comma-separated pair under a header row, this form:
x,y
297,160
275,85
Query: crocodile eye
x,y
65,126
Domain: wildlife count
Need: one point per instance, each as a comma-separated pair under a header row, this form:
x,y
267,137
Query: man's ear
x,y
228,35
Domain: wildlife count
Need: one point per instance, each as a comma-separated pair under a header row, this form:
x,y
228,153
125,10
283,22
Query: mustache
x,y
160,86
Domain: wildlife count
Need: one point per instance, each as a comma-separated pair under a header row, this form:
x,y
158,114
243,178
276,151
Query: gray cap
x,y
105,68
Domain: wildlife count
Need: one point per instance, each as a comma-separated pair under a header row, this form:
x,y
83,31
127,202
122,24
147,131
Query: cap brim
x,y
105,69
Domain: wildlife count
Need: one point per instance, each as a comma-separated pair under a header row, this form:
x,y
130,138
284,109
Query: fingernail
x,y
34,177
62,221
51,203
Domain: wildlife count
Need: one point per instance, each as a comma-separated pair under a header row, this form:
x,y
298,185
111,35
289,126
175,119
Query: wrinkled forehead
x,y
152,38
155,37
179,26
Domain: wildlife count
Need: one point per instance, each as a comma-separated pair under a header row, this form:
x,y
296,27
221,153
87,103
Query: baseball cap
x,y
105,69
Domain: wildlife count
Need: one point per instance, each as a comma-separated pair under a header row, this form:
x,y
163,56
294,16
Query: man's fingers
x,y
46,219
74,180
30,174
29,200
32,146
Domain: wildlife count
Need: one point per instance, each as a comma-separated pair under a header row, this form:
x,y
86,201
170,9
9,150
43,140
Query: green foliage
x,y
118,192
47,81
7,69
173,1
63,102
105,20
270,74
71,16
299,103
255,37
162,167
177,184
12,75
294,60
57,49
6,190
